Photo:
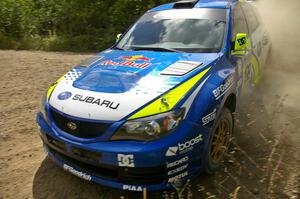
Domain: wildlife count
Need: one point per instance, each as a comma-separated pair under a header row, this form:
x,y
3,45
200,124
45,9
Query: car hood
x,y
113,84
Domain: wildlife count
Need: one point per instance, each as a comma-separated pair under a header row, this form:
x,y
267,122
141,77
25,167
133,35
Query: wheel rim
x,y
220,141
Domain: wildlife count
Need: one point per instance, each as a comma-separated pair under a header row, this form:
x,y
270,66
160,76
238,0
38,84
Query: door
x,y
242,62
258,37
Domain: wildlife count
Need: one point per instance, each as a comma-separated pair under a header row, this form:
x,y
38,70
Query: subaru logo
x,y
64,96
72,126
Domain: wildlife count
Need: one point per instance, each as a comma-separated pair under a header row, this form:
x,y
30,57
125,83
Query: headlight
x,y
150,128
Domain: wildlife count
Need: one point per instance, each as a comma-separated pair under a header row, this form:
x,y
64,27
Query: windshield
x,y
196,30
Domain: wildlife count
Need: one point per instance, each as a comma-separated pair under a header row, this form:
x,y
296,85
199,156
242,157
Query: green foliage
x,y
74,25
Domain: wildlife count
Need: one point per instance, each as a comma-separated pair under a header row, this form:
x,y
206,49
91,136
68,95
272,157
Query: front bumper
x,y
126,165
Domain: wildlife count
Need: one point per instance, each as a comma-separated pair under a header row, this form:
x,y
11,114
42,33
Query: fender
x,y
209,102
212,96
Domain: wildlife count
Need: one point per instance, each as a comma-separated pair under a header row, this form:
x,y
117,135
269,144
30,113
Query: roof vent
x,y
185,4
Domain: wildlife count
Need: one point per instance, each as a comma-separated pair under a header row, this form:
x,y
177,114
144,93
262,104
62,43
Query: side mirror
x,y
118,37
241,44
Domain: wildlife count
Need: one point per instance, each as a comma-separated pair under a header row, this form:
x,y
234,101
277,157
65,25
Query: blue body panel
x,y
157,63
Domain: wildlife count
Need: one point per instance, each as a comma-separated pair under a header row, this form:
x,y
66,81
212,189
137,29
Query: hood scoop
x,y
181,68
107,81
185,4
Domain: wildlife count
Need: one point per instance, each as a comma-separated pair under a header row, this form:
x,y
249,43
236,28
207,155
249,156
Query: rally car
x,y
156,109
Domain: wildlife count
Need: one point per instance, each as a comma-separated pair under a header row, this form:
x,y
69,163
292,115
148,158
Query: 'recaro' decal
x,y
177,162
99,102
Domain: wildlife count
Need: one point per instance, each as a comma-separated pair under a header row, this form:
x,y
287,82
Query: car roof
x,y
190,4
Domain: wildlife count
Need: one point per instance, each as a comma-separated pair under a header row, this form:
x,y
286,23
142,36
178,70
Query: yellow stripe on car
x,y
256,69
52,87
167,102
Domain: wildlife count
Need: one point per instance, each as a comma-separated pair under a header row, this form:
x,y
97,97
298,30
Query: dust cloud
x,y
282,80
282,74
282,19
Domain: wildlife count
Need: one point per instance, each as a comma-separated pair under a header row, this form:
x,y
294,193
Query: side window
x,y
251,17
239,24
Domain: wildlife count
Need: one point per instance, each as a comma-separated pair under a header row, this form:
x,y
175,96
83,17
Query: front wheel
x,y
219,141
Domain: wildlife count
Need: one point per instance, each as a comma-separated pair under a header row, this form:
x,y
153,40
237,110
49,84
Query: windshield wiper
x,y
160,49
117,48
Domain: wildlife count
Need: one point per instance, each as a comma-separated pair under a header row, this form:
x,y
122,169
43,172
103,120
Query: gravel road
x,y
264,160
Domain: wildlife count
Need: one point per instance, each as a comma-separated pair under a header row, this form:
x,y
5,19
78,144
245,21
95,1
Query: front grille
x,y
83,129
151,175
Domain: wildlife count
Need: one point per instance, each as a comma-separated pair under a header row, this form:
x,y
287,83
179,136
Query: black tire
x,y
212,163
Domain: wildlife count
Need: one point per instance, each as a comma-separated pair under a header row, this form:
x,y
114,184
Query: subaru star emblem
x,y
64,95
72,126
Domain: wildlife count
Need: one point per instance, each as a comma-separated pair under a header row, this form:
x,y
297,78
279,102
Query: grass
x,y
84,43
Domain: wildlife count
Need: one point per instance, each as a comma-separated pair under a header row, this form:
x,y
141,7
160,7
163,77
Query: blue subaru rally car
x,y
156,109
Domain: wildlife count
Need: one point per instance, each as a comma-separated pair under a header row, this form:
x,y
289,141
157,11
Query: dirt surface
x,y
264,160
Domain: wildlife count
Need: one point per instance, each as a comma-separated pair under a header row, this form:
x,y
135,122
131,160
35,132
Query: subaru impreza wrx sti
x,y
156,109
